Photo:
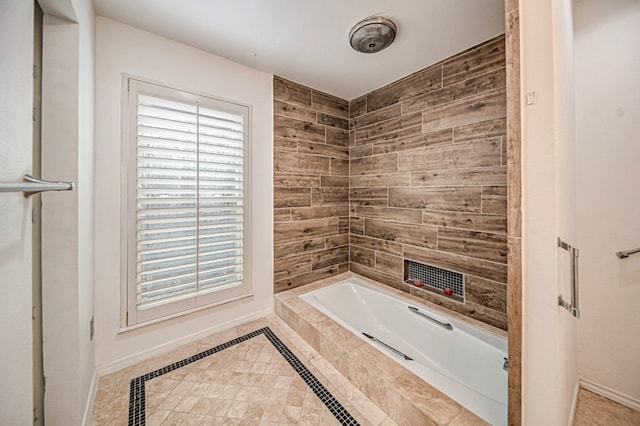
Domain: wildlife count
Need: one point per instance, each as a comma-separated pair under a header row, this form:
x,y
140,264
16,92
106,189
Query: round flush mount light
x,y
371,35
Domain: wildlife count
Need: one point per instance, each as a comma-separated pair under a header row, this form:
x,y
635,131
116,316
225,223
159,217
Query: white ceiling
x,y
307,41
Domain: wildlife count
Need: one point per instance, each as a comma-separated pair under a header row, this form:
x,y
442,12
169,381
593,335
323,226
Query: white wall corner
x,y
91,397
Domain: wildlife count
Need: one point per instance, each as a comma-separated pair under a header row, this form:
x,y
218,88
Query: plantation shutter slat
x,y
189,192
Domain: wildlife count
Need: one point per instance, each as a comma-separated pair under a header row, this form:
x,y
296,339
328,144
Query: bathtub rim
x,y
298,291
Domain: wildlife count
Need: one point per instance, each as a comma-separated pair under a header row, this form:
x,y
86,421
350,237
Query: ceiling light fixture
x,y
371,35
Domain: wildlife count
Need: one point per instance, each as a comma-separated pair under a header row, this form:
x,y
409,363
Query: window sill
x,y
126,329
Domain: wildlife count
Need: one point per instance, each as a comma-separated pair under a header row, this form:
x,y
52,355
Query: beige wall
x,y
311,185
548,172
124,49
16,86
607,36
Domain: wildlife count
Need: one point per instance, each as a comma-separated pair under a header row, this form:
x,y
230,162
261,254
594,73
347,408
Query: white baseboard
x,y
613,395
91,397
574,402
174,344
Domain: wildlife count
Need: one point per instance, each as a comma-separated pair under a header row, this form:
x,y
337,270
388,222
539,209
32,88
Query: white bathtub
x,y
464,362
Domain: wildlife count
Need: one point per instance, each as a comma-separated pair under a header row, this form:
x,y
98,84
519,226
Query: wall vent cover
x,y
437,280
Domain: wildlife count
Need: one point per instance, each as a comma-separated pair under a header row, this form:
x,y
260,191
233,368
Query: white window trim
x,y
129,318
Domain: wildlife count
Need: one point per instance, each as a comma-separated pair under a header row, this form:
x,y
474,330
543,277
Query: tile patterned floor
x,y
596,410
250,383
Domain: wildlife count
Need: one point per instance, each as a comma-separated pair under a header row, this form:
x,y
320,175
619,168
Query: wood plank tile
x,y
462,89
290,266
295,179
494,200
291,128
284,145
358,106
323,149
451,198
363,256
306,213
339,167
481,245
418,235
377,180
390,213
414,142
294,111
385,163
475,61
376,244
482,107
481,313
467,265
352,138
487,293
360,151
483,153
300,280
337,240
291,197
389,264
376,116
514,160
333,256
465,220
289,162
356,225
281,215
329,196
343,225
368,196
301,246
328,104
381,277
514,308
405,125
332,121
496,175
288,91
415,84
334,181
304,230
482,130
337,137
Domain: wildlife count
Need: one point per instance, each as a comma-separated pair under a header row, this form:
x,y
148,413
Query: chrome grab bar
x,y
422,314
32,185
573,306
391,348
626,253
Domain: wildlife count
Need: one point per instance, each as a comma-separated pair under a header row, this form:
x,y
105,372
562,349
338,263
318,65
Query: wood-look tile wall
x,y
428,179
311,185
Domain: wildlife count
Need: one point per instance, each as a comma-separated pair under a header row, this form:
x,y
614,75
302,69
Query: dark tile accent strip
x,y
137,395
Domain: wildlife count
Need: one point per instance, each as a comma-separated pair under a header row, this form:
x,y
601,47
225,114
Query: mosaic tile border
x,y
137,394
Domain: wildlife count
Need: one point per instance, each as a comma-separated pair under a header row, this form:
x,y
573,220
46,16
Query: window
x,y
186,201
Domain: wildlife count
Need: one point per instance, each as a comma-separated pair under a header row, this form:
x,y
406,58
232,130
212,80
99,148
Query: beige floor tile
x,y
250,383
595,410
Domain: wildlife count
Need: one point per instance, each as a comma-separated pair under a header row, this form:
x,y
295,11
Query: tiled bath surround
x,y
428,179
424,178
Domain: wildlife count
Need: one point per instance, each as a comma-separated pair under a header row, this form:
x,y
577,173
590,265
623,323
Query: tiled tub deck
x,y
405,397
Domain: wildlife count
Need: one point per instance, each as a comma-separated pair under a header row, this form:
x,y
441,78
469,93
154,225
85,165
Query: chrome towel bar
x,y
626,253
32,185
573,306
